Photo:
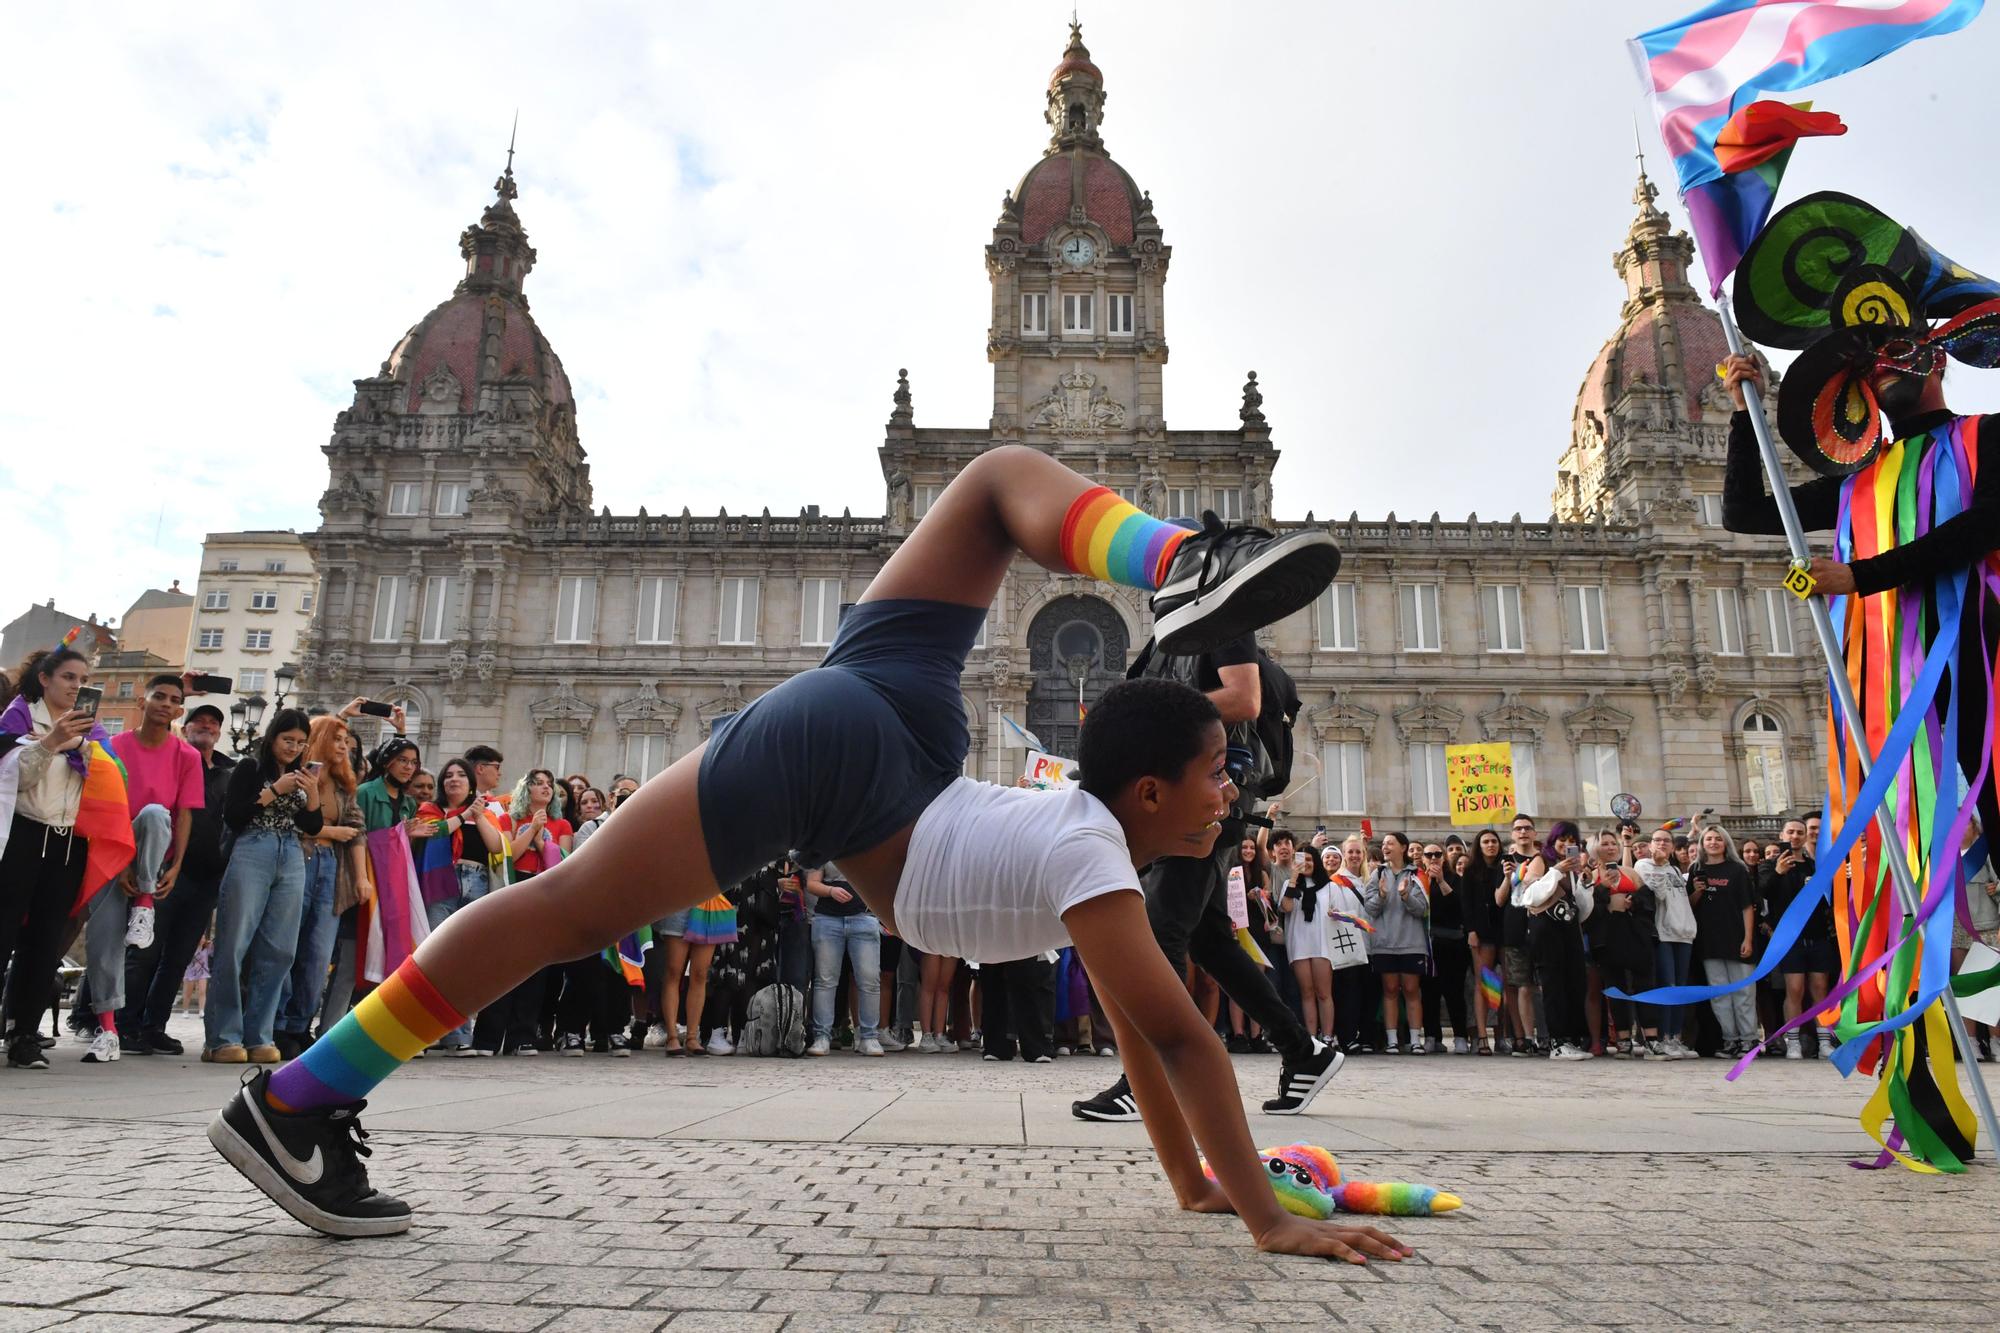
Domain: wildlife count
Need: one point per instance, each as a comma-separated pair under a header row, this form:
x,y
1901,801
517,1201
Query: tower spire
x,y
1076,97
505,187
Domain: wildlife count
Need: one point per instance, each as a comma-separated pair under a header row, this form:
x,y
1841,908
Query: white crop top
x,y
991,870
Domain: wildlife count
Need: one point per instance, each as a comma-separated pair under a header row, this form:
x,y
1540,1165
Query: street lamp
x,y
247,714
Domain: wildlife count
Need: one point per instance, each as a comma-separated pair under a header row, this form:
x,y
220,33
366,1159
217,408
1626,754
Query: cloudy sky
x,y
750,215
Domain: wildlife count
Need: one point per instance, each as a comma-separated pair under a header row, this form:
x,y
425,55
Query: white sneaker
x,y
890,1042
868,1046
103,1048
1792,1051
820,1046
656,1039
139,929
1825,1044
1460,1046
719,1043
1565,1051
1681,1051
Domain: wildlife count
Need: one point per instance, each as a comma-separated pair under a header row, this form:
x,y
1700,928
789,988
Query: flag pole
x,y
1843,691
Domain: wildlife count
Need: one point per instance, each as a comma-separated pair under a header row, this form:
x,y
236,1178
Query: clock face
x,y
1078,251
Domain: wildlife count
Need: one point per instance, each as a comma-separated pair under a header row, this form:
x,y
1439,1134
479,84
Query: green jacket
x,y
380,810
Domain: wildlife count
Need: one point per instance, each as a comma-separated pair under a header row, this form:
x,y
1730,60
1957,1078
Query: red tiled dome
x,y
1110,199
1635,352
449,336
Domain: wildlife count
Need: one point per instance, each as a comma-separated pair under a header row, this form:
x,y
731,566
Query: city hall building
x,y
1629,645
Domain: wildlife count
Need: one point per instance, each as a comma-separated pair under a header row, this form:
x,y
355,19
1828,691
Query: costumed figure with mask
x,y
1914,589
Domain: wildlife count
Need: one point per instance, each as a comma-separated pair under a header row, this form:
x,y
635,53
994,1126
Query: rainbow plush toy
x,y
1307,1181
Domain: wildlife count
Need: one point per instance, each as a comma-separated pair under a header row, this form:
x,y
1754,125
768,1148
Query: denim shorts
x,y
837,759
672,926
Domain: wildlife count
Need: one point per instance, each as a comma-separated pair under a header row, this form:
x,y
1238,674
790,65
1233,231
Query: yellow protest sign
x,y
1799,583
1479,781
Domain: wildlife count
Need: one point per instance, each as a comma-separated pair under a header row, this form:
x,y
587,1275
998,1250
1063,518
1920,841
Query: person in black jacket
x,y
153,974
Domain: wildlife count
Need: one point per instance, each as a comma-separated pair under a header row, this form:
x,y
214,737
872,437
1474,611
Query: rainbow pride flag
x,y
628,957
1489,986
395,923
105,817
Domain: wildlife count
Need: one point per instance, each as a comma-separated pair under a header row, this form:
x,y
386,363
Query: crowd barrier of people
x,y
268,892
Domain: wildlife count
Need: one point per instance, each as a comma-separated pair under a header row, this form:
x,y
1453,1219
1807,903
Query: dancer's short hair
x,y
1142,728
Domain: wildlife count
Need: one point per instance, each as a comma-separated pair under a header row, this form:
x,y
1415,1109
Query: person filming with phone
x,y
271,805
41,872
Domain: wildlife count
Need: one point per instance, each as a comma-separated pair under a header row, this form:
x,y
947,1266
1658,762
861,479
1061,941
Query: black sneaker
x,y
1225,582
620,1046
131,1045
308,1163
1299,1083
26,1053
159,1043
571,1044
1114,1105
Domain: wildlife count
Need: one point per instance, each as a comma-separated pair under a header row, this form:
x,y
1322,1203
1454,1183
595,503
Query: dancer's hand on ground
x,y
1737,369
1298,1235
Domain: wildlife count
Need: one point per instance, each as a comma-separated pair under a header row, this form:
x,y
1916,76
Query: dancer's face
x,y
1182,816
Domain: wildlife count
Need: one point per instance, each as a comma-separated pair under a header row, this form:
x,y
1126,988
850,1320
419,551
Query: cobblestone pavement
x,y
115,1214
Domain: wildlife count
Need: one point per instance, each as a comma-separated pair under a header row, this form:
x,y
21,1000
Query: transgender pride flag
x,y
1702,69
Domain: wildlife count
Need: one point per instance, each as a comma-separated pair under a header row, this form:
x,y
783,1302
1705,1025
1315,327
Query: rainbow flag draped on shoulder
x,y
103,815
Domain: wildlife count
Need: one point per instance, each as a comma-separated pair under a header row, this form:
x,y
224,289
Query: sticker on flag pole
x,y
1798,582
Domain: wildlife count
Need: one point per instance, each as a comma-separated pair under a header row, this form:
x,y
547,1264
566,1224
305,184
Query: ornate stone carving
x,y
1077,406
1597,721
729,701
1513,720
1000,670
1341,719
1252,410
439,391
564,710
1428,720
902,414
647,711
1677,681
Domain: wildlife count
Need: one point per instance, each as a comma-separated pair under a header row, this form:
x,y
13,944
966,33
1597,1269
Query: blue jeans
x,y
305,984
472,885
256,937
860,938
1670,968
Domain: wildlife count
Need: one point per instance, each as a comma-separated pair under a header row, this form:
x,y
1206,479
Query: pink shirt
x,y
168,774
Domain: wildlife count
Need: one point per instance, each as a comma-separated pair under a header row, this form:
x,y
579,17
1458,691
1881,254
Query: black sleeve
x,y
239,806
1748,508
308,822
1237,652
1956,543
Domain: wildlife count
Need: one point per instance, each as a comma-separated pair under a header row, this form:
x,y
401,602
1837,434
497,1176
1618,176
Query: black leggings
x,y
1451,961
40,876
1557,948
1630,968
1186,904
1355,995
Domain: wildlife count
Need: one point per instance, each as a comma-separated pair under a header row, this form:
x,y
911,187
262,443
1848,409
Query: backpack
x,y
1268,736
777,1023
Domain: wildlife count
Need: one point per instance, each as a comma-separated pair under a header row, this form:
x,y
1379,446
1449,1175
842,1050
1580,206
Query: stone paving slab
x,y
942,1192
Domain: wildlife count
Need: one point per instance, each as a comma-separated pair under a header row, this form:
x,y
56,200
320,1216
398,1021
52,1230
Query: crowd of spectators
x,y
287,881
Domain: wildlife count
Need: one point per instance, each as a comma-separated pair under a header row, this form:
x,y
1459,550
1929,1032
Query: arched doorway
x,y
1076,649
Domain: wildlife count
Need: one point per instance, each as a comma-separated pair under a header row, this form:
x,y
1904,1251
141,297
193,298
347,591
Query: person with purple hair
x,y
1555,888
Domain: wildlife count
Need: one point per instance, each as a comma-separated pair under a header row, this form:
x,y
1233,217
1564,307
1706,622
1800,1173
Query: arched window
x,y
1079,639
1764,764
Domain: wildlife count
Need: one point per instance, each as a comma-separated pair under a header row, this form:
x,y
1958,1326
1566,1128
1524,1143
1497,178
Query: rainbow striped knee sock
x,y
1108,539
392,1023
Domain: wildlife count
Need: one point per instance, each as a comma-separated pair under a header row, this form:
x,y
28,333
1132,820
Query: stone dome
x,y
450,335
483,331
1076,175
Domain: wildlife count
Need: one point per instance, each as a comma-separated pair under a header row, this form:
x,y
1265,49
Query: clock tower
x,y
1078,332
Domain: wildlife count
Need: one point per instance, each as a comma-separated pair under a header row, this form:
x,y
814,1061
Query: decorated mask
x,y
1857,292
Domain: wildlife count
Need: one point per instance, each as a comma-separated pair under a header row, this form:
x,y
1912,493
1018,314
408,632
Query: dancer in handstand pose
x,y
858,761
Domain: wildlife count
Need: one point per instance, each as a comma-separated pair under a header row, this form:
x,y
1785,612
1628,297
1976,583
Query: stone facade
x,y
253,610
1628,643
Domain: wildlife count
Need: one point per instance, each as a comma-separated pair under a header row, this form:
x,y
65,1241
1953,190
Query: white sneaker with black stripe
x,y
1299,1083
1225,582
1114,1105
